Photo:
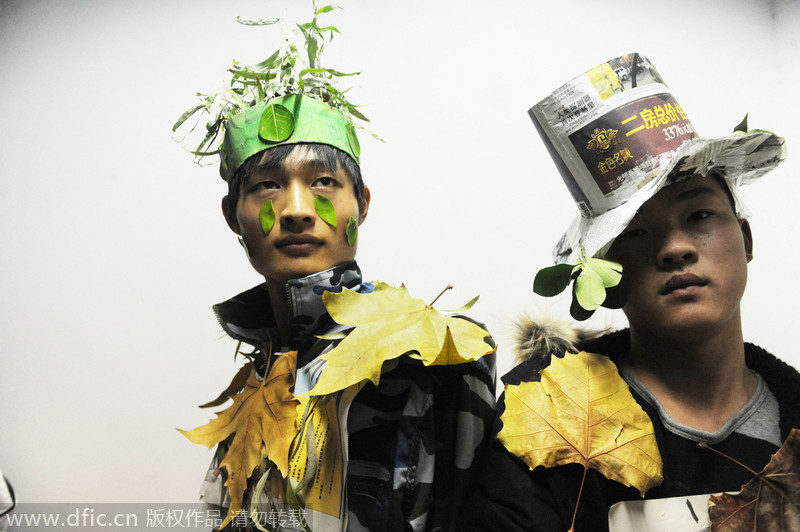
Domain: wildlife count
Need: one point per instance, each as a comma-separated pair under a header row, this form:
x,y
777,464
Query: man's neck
x,y
700,382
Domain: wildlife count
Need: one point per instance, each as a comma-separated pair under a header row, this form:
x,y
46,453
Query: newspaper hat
x,y
617,135
288,98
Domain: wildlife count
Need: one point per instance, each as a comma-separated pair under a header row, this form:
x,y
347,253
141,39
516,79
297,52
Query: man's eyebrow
x,y
270,165
694,192
267,166
318,163
308,163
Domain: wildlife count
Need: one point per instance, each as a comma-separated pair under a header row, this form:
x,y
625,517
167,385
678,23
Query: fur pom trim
x,y
546,336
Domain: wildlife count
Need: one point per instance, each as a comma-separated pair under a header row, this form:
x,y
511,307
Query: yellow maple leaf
x,y
582,412
390,323
262,419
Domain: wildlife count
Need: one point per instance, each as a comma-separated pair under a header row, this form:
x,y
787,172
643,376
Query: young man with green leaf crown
x,y
359,407
677,406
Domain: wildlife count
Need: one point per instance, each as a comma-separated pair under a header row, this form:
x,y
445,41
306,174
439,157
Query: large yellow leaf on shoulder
x,y
389,323
262,419
582,412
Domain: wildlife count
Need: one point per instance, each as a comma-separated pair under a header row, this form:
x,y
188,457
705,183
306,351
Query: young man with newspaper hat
x,y
663,235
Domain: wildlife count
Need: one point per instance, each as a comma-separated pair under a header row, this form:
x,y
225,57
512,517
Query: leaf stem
x,y
578,502
705,446
763,478
446,288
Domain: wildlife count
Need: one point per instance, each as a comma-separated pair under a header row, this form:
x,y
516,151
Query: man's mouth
x,y
682,281
298,241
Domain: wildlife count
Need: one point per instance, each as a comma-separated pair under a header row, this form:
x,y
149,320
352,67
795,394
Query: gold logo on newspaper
x,y
603,140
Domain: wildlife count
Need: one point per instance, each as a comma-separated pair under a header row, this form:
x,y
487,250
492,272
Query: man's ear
x,y
364,206
230,217
748,238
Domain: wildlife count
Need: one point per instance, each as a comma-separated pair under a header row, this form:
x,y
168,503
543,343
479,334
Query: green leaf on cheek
x,y
351,231
266,215
325,209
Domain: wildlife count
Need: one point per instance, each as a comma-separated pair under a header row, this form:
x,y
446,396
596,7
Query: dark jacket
x,y
411,439
508,496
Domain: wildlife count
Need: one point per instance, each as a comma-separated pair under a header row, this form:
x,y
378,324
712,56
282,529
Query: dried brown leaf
x,y
770,501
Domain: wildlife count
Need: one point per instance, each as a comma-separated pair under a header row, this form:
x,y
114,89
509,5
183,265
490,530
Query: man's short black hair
x,y
330,156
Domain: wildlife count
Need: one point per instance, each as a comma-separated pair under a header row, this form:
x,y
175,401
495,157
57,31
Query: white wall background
x,y
113,246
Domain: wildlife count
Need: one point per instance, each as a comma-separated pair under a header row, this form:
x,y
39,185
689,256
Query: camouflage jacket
x,y
411,439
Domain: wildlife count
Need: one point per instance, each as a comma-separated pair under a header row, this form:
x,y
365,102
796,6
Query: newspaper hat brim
x,y
739,159
617,135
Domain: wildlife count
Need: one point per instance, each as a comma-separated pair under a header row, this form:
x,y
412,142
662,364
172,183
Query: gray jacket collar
x,y
248,317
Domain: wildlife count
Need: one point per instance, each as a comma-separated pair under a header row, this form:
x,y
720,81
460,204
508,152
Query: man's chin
x,y
298,270
682,325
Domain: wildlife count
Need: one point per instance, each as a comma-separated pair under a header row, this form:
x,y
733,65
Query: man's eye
x,y
700,215
325,182
632,233
266,185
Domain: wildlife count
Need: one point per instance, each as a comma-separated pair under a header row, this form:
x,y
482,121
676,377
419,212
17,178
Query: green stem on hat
x,y
325,209
351,231
266,215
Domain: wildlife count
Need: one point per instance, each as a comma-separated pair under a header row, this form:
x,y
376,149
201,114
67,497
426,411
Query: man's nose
x,y
676,249
298,208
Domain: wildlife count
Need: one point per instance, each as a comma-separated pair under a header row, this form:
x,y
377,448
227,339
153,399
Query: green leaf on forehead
x,y
277,123
325,209
266,215
553,280
351,231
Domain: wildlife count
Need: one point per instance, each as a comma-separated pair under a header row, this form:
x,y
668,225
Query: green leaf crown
x,y
288,98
